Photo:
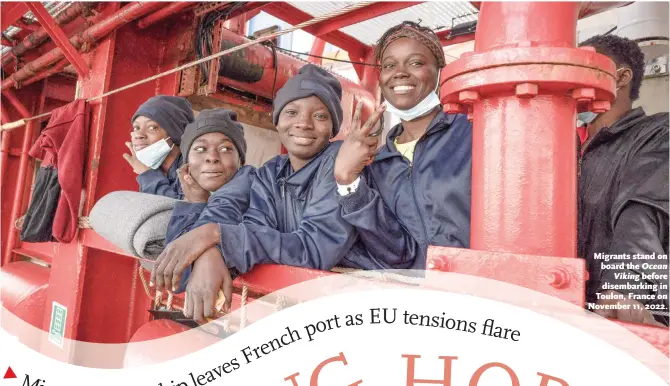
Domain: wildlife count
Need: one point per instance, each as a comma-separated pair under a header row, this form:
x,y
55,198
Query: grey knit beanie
x,y
215,121
170,112
312,81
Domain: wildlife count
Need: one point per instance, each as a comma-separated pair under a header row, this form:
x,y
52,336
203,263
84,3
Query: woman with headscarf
x,y
293,216
154,155
416,193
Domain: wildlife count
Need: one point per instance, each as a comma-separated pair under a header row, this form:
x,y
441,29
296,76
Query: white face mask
x,y
422,108
153,155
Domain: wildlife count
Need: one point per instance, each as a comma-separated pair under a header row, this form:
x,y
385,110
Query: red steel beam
x,y
6,42
40,36
21,177
163,14
23,25
294,16
59,37
123,16
317,50
10,13
360,15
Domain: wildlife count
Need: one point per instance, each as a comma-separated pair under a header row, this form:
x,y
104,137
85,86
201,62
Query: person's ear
x,y
624,76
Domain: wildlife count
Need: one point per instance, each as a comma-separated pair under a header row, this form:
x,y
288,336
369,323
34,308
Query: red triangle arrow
x,y
9,374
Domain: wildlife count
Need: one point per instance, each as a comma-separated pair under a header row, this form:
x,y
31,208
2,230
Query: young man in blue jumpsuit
x,y
154,155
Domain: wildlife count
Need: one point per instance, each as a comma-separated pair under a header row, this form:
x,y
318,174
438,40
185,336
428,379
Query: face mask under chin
x,y
419,110
155,154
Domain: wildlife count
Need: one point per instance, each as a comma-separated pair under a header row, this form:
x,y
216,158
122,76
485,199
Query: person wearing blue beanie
x,y
157,128
293,216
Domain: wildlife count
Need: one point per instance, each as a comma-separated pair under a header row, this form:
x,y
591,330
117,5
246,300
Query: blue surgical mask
x,y
586,117
153,155
422,108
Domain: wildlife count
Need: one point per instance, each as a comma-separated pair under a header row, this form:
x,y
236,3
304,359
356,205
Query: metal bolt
x,y
656,68
600,107
559,278
468,97
452,108
526,90
584,94
438,264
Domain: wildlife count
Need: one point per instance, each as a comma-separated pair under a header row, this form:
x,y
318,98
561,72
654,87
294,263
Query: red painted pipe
x,y
21,177
4,148
40,36
91,35
256,62
523,150
162,14
55,69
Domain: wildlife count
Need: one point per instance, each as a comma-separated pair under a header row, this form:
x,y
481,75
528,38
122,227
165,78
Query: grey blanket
x,y
135,222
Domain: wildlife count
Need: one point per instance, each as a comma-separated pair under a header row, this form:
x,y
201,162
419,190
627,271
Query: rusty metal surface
x,y
89,36
40,36
59,37
188,81
162,14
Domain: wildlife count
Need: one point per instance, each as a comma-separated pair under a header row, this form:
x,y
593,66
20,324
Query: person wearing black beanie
x,y
157,128
293,216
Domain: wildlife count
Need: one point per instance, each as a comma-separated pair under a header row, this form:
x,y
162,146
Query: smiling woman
x,y
157,127
417,191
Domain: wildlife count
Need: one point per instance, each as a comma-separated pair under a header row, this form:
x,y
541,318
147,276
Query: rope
x,y
316,20
327,58
243,307
84,223
18,224
170,298
144,282
383,276
280,303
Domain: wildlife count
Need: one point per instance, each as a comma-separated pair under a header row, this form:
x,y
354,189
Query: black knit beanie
x,y
312,81
170,112
215,121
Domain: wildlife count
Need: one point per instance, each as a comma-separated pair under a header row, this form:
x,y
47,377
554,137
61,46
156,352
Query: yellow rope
x,y
339,12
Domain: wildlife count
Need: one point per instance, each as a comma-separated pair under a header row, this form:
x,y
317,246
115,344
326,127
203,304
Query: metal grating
x,y
436,15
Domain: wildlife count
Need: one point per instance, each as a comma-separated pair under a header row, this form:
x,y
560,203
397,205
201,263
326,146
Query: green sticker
x,y
57,325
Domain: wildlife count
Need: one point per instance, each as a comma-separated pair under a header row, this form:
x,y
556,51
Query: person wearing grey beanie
x,y
213,148
158,125
293,216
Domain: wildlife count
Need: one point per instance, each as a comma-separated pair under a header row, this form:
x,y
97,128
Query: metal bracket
x,y
656,67
214,64
188,83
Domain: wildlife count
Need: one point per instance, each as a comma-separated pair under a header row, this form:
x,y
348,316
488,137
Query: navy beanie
x,y
312,80
170,112
215,121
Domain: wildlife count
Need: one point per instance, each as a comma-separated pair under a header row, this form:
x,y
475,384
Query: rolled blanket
x,y
135,222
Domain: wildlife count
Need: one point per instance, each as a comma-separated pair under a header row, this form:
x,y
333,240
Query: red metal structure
x,y
521,86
